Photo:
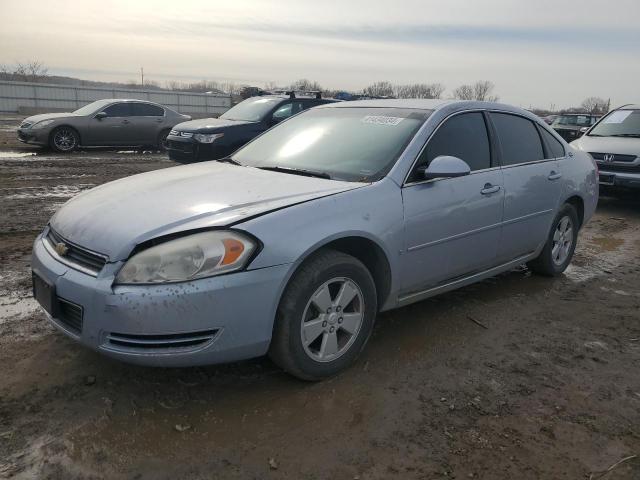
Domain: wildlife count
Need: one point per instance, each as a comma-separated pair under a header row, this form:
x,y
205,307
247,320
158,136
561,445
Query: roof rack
x,y
292,93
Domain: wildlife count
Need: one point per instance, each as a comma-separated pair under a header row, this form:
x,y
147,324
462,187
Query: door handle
x,y
489,189
553,175
126,122
159,120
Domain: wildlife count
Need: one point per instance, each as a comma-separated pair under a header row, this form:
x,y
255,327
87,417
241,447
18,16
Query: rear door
x,y
147,120
532,185
114,129
452,225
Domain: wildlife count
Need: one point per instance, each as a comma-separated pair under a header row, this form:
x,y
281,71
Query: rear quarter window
x,y
554,147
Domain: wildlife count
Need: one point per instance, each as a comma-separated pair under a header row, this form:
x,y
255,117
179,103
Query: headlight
x,y
207,137
41,124
188,258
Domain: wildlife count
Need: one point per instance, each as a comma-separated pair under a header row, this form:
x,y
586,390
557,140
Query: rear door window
x,y
463,136
554,147
288,109
519,139
147,110
118,110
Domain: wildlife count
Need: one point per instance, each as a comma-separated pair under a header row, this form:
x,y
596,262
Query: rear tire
x,y
161,144
561,244
325,316
64,139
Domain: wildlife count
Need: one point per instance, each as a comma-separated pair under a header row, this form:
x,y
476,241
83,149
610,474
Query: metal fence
x,y
46,97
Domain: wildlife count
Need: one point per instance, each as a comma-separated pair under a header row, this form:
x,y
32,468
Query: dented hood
x,y
113,218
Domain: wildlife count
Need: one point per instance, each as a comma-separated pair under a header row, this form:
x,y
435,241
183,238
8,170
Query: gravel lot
x,y
516,377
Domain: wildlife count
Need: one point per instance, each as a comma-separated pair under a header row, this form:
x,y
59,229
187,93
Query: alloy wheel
x,y
65,139
332,319
562,241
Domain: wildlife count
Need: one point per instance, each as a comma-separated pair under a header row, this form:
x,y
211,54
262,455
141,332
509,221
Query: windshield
x,y
93,107
353,144
573,120
624,123
251,110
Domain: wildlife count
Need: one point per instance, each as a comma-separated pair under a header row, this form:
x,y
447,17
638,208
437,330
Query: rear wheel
x,y
325,316
64,139
561,243
161,144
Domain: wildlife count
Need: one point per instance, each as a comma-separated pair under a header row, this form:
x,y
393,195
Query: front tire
x,y
561,244
325,316
64,139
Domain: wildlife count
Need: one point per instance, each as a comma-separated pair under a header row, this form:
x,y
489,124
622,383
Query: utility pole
x,y
142,76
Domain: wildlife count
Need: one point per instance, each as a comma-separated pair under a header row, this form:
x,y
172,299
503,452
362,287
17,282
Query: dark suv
x,y
572,126
214,138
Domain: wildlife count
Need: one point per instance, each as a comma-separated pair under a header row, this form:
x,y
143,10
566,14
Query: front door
x,y
115,129
452,225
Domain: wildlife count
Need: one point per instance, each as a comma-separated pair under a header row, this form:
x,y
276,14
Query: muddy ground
x,y
516,377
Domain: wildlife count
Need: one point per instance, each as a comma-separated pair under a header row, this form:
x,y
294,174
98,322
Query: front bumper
x,y
618,179
34,137
187,150
213,320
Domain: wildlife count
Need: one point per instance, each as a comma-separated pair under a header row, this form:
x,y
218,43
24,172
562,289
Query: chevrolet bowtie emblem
x,y
61,249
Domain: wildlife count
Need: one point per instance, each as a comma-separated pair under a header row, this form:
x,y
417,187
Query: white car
x,y
614,143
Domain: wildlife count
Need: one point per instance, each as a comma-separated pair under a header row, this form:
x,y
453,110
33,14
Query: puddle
x,y
4,155
13,306
607,244
58,191
53,177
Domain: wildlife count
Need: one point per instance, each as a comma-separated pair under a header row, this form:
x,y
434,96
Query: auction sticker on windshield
x,y
382,120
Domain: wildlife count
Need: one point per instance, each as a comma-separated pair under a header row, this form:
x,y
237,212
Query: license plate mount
x,y
44,293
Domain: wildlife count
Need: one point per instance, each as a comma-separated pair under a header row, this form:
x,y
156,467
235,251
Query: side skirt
x,y
462,282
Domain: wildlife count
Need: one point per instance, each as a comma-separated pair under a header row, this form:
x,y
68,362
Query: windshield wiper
x,y
229,160
297,171
634,135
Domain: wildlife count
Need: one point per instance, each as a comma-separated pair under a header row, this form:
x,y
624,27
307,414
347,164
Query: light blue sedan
x,y
292,245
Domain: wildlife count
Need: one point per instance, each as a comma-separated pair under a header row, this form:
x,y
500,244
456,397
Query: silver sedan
x,y
293,244
104,123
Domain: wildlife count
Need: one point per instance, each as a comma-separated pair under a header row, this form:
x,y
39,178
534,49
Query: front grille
x,y
616,157
180,146
70,315
76,255
181,341
609,167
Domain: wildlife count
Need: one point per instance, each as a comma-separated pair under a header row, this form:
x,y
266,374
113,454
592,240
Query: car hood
x,y
48,116
208,125
619,145
115,217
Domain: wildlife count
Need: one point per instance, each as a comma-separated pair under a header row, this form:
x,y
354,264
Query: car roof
x,y
631,106
434,105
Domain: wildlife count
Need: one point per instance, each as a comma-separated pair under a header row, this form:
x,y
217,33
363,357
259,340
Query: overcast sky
x,y
537,53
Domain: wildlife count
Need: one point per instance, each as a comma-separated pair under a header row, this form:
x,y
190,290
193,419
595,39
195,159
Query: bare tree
x,y
481,91
463,92
270,86
306,85
419,90
595,105
379,89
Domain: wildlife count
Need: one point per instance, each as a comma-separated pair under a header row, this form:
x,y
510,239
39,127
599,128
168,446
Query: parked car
x,y
293,244
570,126
614,143
213,138
103,123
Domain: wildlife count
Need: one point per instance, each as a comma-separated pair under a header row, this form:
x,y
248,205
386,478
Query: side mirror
x,y
101,115
583,130
445,166
275,119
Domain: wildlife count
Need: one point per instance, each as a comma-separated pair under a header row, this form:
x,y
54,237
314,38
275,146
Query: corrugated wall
x,y
17,96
